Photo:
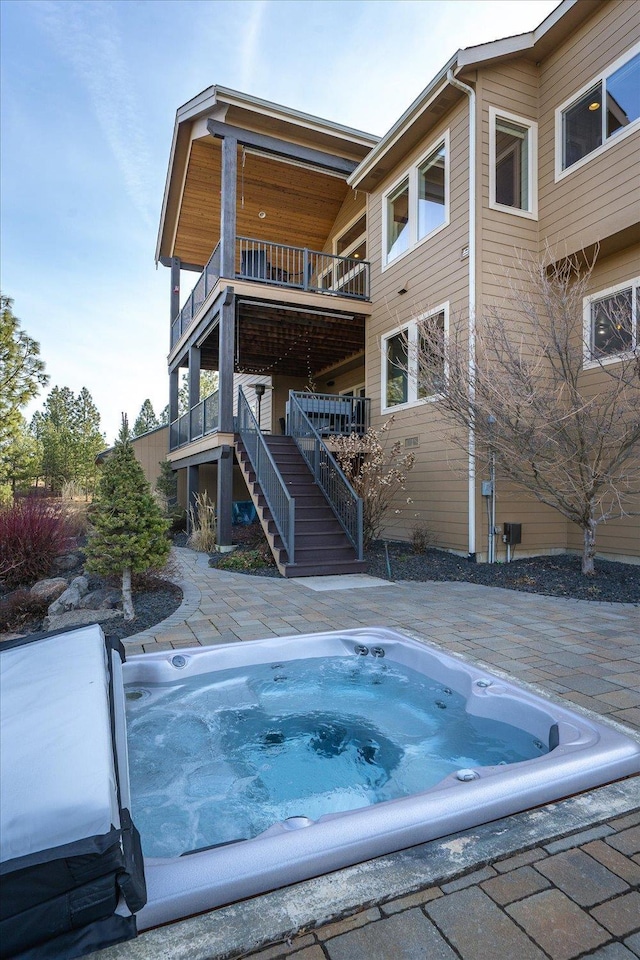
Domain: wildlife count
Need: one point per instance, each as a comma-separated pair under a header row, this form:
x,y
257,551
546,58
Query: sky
x,y
89,90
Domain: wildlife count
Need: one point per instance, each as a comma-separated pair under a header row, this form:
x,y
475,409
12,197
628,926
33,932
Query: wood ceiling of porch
x,y
300,204
274,340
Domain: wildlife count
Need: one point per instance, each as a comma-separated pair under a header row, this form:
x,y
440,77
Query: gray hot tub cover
x,y
71,866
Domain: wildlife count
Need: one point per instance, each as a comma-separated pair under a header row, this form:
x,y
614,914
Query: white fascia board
x,y
419,105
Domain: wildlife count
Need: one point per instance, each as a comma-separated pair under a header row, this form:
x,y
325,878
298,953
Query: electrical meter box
x,y
512,533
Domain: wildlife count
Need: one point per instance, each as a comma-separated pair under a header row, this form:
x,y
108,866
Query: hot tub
x,y
565,752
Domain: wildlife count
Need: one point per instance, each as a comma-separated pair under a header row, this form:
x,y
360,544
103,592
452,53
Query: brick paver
x,y
555,922
581,877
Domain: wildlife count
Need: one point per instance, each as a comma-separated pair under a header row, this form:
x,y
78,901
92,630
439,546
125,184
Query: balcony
x,y
196,423
332,415
275,264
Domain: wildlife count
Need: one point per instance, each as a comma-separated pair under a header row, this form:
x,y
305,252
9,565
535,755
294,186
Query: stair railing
x,y
280,502
342,498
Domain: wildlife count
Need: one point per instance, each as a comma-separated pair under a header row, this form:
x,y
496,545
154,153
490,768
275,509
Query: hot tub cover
x,y
70,859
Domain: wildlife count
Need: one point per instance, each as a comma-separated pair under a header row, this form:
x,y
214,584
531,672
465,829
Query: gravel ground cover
x,y
558,576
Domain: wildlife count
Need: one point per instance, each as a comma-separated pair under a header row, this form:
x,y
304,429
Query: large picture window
x,y
513,148
417,206
607,109
611,322
410,364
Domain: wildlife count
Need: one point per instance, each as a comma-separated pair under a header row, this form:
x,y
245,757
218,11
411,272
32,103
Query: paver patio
x,y
558,883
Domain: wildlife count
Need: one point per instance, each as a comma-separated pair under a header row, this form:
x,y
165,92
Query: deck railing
x,y
280,502
341,496
204,285
334,414
295,268
195,423
301,269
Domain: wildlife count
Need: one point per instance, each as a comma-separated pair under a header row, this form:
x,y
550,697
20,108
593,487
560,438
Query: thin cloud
x,y
249,51
86,35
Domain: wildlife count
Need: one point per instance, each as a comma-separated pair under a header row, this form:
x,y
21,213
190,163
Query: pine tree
x,y
21,372
130,531
146,420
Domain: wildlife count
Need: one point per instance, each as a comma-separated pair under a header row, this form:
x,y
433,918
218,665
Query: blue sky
x,y
88,99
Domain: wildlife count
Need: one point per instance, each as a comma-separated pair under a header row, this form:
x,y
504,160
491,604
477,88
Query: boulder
x,y
70,599
68,561
49,589
78,618
102,599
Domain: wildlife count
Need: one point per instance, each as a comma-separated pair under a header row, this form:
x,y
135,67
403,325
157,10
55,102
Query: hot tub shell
x,y
584,753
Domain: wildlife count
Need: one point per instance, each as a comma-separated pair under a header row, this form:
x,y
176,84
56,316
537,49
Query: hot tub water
x,y
221,757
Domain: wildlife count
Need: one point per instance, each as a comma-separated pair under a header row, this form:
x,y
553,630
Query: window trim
x,y
410,174
532,163
410,328
560,174
589,361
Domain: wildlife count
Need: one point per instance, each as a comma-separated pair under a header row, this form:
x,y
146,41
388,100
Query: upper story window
x,y
409,362
606,109
513,160
417,205
611,322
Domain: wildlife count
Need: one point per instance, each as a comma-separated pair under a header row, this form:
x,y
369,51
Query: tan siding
x,y
433,273
246,381
602,196
150,449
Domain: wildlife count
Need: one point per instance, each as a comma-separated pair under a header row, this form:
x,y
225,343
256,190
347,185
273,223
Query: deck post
x,y
175,289
194,382
224,497
174,386
228,207
193,481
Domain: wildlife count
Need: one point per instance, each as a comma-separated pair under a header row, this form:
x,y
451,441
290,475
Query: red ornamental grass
x,y
32,534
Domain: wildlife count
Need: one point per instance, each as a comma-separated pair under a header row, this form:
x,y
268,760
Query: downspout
x,y
470,92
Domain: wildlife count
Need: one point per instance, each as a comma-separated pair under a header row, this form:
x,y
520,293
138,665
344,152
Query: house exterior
x,y
321,248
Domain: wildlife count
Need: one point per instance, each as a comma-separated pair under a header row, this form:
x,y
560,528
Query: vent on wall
x,y
412,442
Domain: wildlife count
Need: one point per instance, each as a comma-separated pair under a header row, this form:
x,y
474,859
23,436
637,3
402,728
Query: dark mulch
x,y
559,576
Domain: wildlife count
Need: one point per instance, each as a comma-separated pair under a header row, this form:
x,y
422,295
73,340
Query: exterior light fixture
x,y
594,106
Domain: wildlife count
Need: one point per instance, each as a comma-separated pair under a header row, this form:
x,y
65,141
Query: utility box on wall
x,y
512,533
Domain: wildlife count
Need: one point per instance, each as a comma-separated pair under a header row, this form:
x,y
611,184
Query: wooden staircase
x,y
321,545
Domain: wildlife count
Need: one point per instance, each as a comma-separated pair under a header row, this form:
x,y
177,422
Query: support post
x,y
174,386
194,376
228,207
226,348
193,480
175,288
224,497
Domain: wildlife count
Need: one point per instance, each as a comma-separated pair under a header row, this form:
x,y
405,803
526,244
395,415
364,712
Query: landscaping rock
x,y
49,589
78,618
70,599
69,561
102,599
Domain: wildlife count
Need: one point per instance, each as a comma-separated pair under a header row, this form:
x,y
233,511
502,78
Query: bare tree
x,y
565,430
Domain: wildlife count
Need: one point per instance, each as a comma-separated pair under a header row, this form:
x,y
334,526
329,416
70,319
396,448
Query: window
x,y
408,363
398,221
607,109
431,193
347,275
513,148
611,322
418,205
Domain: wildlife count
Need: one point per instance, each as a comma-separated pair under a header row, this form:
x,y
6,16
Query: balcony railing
x,y
295,268
301,269
335,415
201,420
204,285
